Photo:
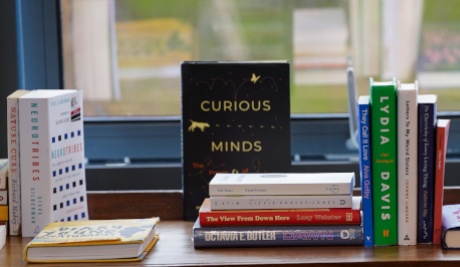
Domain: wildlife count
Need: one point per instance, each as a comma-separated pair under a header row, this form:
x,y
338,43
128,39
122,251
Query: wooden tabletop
x,y
175,248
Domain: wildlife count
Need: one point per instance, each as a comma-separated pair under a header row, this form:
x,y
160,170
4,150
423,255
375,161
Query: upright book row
x,y
279,209
46,159
402,159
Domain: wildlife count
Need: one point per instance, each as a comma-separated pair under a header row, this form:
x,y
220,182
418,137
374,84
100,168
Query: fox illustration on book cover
x,y
235,118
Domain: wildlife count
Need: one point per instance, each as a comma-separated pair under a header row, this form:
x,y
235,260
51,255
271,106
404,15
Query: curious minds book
x,y
235,119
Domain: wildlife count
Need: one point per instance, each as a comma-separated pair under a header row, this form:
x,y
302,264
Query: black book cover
x,y
235,118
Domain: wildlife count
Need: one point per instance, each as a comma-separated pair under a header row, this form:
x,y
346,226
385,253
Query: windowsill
x,y
175,247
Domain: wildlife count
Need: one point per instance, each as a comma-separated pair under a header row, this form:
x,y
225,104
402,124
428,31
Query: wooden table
x,y
175,248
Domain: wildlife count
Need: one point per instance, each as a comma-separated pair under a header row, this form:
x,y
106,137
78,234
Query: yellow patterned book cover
x,y
93,241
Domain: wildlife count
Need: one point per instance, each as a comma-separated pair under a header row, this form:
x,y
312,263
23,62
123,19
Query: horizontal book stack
x,y
402,161
282,209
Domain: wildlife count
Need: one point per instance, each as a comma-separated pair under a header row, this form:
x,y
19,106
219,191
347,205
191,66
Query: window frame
x,y
145,151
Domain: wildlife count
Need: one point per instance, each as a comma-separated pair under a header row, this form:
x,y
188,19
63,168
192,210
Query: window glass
x,y
125,54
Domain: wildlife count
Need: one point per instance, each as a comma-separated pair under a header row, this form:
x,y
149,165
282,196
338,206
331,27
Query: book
x,y
3,173
14,170
450,237
3,213
384,161
53,185
407,162
210,217
93,241
235,119
280,202
426,158
442,136
276,235
3,197
264,184
3,231
364,144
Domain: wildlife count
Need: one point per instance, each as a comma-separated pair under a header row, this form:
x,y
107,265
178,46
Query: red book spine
x,y
442,133
341,216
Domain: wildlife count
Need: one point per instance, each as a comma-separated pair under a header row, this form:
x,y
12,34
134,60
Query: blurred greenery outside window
x,y
125,54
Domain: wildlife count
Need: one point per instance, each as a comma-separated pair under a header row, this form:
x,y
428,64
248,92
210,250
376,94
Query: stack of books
x,y
279,209
46,159
402,159
4,192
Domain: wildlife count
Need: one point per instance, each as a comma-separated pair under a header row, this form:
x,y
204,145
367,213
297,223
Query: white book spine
x,y
279,202
53,182
407,164
34,125
282,184
14,170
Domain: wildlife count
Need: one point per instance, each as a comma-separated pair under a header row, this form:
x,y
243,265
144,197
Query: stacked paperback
x,y
402,163
4,192
451,226
279,209
46,159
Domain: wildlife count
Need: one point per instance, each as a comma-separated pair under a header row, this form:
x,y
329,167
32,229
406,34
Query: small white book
x,y
253,184
280,202
407,163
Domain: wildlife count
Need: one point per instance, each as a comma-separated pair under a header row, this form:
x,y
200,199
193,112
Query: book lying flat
x,y
3,173
280,202
209,217
282,184
93,241
276,235
450,238
3,231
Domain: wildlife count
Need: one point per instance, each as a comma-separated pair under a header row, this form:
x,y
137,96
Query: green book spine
x,y
384,161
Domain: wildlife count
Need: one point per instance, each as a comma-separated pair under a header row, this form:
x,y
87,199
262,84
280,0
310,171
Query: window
x,y
125,55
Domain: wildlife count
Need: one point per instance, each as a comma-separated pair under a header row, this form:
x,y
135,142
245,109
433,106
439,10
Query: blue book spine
x,y
270,236
365,169
426,157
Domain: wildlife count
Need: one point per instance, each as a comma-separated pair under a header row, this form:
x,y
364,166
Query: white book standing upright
x,y
53,186
407,163
14,170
